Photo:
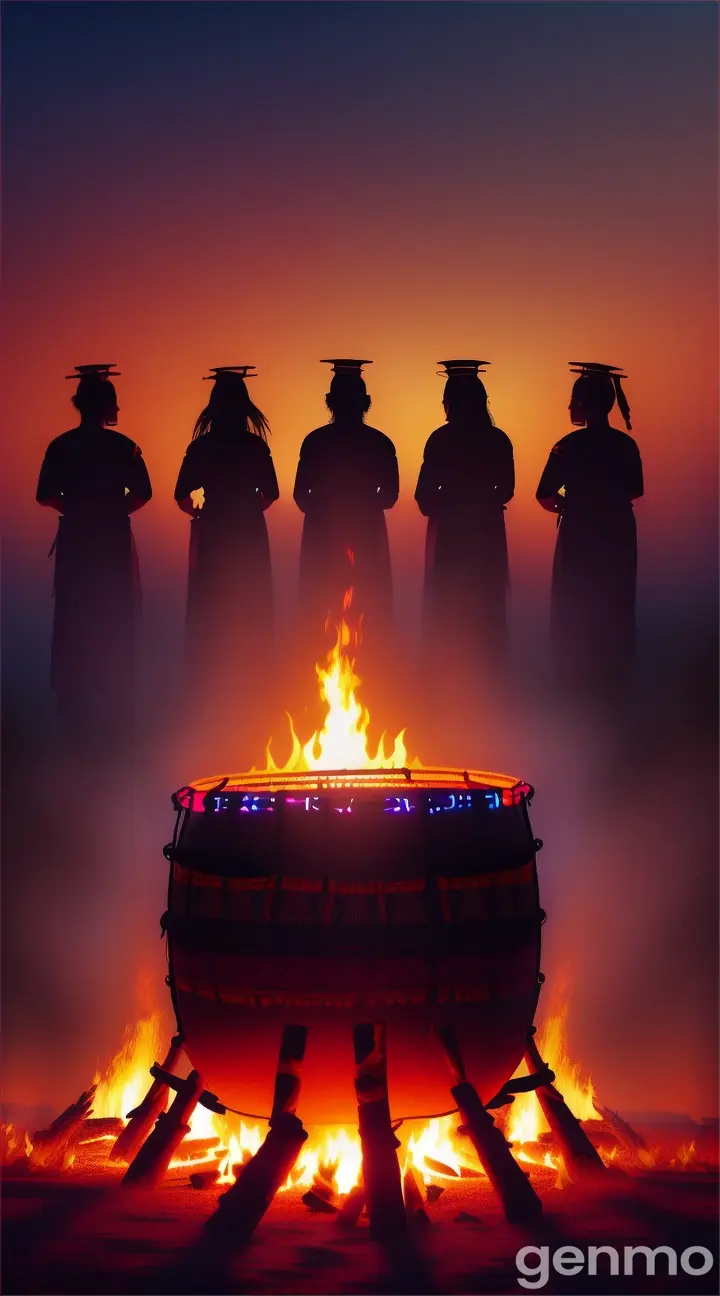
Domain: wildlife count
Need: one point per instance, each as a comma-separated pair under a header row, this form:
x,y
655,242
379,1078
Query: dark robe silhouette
x,y
95,477
230,592
466,479
599,471
346,478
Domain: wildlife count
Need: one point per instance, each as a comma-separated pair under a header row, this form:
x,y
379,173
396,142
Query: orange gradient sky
x,y
561,205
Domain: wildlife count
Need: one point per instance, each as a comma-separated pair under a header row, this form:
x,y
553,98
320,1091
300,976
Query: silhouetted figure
x,y
346,478
230,593
95,478
467,478
590,479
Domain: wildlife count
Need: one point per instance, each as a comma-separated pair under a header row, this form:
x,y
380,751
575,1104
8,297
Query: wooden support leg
x,y
519,1199
142,1119
581,1158
241,1208
149,1167
381,1171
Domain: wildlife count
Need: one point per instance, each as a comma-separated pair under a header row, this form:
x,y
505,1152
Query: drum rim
x,y
359,782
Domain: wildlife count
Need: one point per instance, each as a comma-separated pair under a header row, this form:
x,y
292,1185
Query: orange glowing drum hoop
x,y
335,897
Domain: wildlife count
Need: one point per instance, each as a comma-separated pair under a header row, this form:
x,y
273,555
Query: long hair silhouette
x,y
230,408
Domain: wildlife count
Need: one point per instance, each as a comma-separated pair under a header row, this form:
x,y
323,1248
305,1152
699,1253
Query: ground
x,y
85,1235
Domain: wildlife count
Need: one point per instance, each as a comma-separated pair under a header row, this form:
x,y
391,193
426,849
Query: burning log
x,y
151,1162
197,1152
352,1208
580,1157
602,1136
381,1169
535,1150
51,1146
440,1167
142,1118
519,1199
320,1196
317,1201
414,1205
241,1208
625,1135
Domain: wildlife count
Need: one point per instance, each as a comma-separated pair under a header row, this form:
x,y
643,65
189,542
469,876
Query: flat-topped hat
x,y
102,371
243,371
347,366
591,368
463,368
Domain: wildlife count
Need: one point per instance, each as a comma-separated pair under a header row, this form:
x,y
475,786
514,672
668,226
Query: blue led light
x,y
459,801
397,805
255,803
462,801
439,802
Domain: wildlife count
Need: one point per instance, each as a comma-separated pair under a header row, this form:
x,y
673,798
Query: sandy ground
x,y
80,1234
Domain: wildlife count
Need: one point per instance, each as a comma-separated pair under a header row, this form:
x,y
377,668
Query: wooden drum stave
x,y
353,904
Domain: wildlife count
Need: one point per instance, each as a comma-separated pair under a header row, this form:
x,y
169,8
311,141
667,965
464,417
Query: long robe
x,y
467,478
595,563
347,477
91,472
230,594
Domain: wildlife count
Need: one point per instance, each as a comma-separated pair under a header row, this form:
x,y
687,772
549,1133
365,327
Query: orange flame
x,y
123,1084
526,1121
438,1143
342,743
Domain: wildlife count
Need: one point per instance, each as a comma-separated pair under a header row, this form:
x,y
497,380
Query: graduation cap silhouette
x,y
591,370
347,366
463,368
102,371
586,369
243,372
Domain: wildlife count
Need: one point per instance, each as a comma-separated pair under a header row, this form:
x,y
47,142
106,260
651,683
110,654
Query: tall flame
x,y
342,743
526,1120
123,1084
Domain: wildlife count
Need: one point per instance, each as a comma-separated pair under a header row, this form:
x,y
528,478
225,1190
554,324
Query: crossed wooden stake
x,y
240,1209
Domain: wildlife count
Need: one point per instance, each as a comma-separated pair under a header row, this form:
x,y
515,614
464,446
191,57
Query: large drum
x,y
325,900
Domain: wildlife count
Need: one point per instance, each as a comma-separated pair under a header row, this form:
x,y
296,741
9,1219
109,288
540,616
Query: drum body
x,y
331,902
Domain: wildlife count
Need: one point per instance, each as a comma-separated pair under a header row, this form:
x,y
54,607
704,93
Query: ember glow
x,y
331,1157
342,743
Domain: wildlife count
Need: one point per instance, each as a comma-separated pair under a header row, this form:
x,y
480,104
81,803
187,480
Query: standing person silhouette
x,y
467,478
347,477
590,480
229,635
95,478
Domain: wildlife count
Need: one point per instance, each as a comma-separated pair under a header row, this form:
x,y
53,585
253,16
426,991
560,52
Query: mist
x,y
625,803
